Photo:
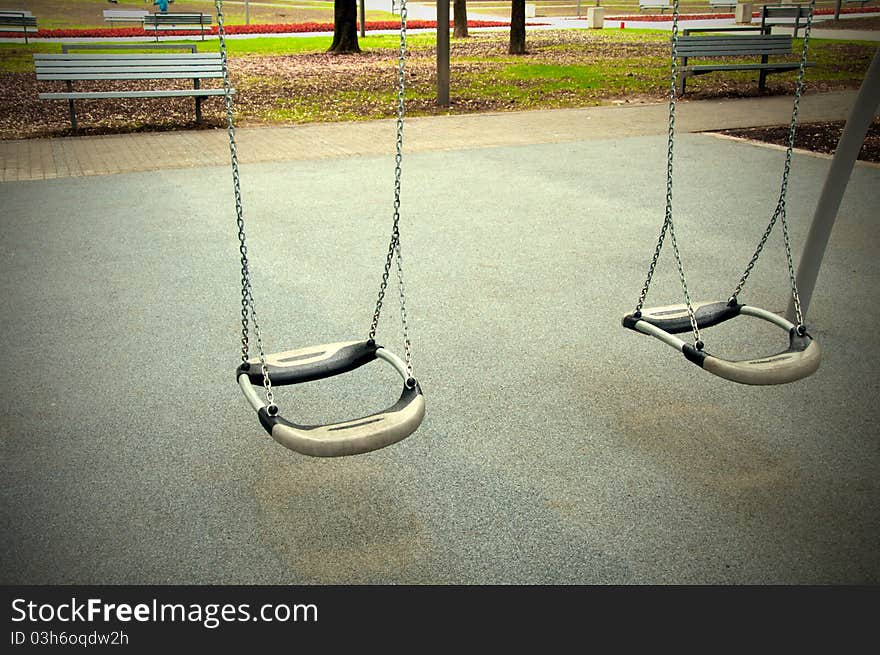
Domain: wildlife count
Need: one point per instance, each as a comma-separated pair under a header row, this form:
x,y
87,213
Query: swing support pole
x,y
860,118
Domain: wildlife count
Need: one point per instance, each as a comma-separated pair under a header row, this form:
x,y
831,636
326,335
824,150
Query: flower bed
x,y
282,28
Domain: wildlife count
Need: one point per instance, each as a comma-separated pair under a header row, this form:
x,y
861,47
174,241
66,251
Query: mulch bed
x,y
816,137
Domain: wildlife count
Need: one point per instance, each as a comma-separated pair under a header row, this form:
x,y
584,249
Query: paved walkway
x,y
35,159
557,446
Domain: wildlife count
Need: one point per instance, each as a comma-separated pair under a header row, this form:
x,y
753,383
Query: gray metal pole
x,y
860,118
443,53
363,19
247,12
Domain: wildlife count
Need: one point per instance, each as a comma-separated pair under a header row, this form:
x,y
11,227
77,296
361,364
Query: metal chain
x,y
668,225
248,310
394,245
779,213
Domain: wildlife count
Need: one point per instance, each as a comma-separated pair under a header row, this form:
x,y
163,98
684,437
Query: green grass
x,y
532,85
577,68
344,106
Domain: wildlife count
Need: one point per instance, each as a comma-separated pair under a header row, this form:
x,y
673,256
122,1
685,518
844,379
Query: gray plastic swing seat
x,y
799,360
353,437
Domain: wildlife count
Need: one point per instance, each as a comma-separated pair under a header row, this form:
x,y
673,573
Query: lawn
x,y
292,80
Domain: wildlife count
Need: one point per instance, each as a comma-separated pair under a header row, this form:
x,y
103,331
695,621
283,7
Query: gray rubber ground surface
x,y
558,447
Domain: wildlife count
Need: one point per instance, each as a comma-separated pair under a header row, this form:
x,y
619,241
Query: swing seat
x,y
312,363
799,360
353,437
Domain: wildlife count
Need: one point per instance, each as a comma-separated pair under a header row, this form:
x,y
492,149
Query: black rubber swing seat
x,y
354,437
799,360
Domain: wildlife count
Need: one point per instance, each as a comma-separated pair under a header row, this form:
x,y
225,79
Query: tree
x,y
517,27
460,22
345,38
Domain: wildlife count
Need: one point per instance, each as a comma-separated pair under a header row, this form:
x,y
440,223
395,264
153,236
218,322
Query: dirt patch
x,y
865,23
816,137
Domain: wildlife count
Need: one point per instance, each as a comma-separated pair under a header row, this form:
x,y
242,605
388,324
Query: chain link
x,y
668,225
394,254
779,212
248,309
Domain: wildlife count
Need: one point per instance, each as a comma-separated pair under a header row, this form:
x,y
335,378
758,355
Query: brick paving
x,y
37,159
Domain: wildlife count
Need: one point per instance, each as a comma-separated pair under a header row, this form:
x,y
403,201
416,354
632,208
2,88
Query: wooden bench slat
x,y
138,67
735,67
121,15
74,72
127,57
177,75
67,47
723,48
748,37
701,52
178,19
170,17
163,93
109,66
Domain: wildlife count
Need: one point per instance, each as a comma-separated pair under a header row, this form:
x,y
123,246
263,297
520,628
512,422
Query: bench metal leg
x,y
70,106
198,102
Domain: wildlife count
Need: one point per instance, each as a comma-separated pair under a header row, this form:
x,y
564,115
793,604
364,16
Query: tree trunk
x,y
460,22
518,27
345,38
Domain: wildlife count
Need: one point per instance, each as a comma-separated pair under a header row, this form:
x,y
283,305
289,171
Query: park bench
x,y
722,4
662,5
14,20
740,45
70,68
183,22
771,15
113,16
860,3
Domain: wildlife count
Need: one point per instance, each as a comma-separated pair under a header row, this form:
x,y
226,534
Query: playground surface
x,y
557,447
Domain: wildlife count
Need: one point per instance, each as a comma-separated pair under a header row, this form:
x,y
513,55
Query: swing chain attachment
x,y
668,225
248,310
779,213
394,253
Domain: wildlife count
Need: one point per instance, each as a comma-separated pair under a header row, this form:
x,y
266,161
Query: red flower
x,y
284,28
